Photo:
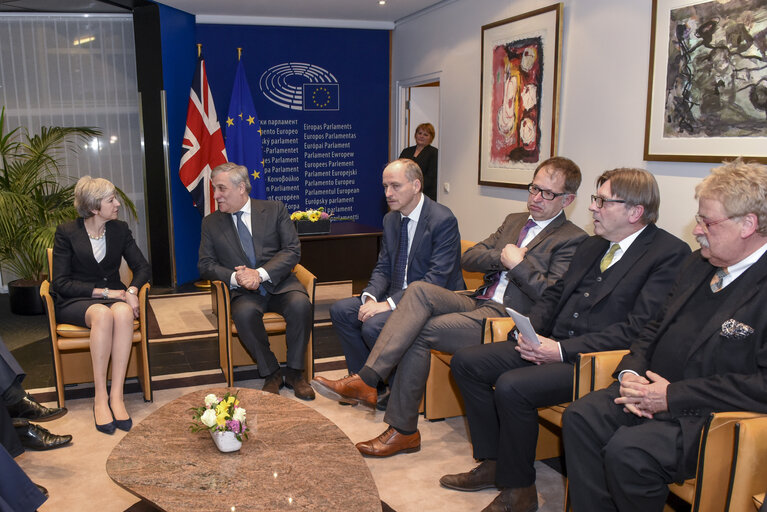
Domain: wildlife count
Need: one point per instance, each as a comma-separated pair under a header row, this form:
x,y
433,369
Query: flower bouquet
x,y
312,222
224,419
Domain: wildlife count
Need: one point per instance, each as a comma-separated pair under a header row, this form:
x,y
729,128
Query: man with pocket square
x,y
706,352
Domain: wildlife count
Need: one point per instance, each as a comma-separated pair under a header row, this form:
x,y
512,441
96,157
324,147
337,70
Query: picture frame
x,y
519,96
707,85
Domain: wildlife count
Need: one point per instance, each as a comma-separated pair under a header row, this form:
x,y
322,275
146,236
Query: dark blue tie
x,y
398,276
246,240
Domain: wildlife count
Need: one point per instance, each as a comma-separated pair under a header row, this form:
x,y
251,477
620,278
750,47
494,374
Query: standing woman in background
x,y
87,253
425,155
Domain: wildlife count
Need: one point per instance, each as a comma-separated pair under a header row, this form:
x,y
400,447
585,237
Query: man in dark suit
x,y
706,352
20,409
527,253
432,252
252,245
615,284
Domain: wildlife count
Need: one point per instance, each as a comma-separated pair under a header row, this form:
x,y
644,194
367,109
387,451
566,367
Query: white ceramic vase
x,y
226,441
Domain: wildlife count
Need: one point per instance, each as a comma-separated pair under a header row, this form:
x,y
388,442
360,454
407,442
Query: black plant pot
x,y
25,297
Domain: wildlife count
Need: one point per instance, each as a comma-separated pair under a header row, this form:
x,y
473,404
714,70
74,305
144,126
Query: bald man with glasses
x,y
529,252
615,284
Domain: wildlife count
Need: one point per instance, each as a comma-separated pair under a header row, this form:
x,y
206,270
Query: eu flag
x,y
321,96
243,134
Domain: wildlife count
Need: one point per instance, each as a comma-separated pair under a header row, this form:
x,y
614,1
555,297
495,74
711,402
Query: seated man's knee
x,y
345,310
508,388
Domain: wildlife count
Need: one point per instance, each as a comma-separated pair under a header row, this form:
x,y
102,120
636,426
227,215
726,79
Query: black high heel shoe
x,y
124,425
107,428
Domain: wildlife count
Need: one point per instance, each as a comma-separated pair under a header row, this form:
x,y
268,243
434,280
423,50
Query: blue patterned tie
x,y
398,276
246,240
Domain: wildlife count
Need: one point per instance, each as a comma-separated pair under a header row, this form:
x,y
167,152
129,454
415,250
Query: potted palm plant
x,y
35,197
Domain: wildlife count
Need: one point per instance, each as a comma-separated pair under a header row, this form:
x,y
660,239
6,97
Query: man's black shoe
x,y
29,409
36,437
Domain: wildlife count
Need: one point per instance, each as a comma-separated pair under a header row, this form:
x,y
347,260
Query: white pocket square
x,y
736,330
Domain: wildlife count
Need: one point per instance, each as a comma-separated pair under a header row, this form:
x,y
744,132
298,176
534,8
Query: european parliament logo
x,y
300,86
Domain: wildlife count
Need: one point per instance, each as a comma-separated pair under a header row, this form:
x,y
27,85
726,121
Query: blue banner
x,y
243,134
323,99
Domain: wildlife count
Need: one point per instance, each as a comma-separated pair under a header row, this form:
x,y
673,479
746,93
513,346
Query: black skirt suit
x,y
76,272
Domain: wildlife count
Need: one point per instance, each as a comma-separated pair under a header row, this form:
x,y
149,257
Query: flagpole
x,y
239,54
203,283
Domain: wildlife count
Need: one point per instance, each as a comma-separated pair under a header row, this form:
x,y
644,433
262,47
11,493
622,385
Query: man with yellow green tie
x,y
615,284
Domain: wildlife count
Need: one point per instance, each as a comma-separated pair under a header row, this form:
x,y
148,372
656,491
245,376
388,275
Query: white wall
x,y
602,104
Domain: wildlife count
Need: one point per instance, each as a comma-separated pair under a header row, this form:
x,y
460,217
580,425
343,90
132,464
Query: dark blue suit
x,y
434,257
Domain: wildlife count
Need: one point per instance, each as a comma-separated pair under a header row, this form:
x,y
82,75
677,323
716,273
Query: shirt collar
x,y
245,208
626,242
543,223
746,262
416,213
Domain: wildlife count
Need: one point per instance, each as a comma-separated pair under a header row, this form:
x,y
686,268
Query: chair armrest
x,y
307,279
497,329
594,370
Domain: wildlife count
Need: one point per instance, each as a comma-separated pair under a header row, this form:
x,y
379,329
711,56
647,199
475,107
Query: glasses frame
x,y
600,201
700,221
535,189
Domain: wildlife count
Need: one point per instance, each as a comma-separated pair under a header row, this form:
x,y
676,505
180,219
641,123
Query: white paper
x,y
524,326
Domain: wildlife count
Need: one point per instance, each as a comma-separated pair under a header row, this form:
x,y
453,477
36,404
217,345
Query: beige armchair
x,y
234,354
71,343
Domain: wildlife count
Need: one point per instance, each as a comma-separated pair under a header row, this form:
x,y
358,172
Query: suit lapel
x,y
420,227
225,224
628,260
82,244
755,276
545,232
257,226
591,255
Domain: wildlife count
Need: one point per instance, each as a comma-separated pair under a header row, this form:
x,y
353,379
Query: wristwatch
x,y
105,293
131,290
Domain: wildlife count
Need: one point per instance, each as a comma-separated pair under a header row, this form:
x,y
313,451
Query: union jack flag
x,y
203,143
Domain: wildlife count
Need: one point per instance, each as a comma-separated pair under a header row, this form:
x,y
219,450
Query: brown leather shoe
x,y
520,499
481,477
349,389
294,379
390,443
273,383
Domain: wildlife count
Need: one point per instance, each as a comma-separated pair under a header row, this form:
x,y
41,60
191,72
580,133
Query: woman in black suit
x,y
87,253
425,155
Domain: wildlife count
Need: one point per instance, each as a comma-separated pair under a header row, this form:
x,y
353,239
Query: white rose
x,y
208,418
211,400
239,414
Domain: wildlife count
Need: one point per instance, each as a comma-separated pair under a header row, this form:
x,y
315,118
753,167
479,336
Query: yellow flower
x,y
230,401
314,216
222,408
295,215
221,419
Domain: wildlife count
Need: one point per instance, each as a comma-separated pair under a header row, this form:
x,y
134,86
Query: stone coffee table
x,y
295,459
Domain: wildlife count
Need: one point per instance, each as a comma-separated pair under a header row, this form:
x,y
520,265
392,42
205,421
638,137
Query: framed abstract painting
x,y
707,90
519,96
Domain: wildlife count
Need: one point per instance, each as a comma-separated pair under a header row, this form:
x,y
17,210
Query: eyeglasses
x,y
546,194
600,201
707,224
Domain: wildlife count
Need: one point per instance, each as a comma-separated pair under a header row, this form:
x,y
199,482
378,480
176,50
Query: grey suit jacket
x,y
547,259
275,240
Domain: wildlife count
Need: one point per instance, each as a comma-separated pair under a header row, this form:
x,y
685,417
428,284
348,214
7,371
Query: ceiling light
x,y
381,2
83,40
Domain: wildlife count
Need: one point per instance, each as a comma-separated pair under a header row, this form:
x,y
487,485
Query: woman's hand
x,y
132,300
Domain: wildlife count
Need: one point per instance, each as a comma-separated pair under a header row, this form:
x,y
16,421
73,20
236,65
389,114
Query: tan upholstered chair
x,y
442,398
234,354
473,280
71,343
